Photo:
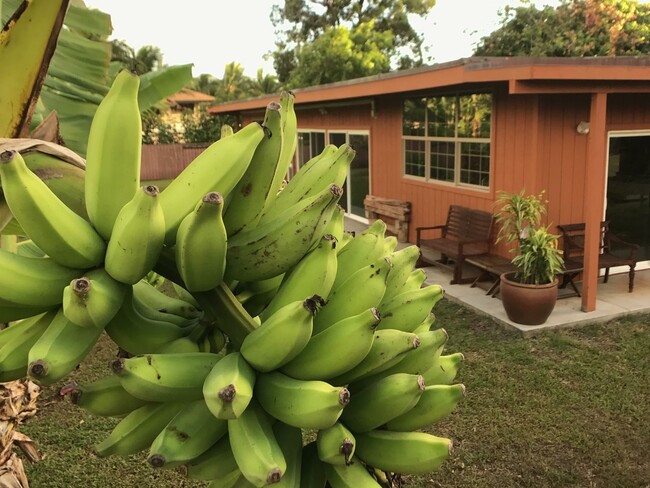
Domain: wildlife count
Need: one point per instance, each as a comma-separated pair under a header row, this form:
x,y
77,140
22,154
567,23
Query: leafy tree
x,y
200,126
263,84
156,131
304,23
205,83
574,28
144,60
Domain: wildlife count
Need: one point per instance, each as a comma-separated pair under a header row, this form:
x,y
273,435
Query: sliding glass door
x,y
357,185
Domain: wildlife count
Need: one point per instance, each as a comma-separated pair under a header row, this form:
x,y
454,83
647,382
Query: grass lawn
x,y
564,409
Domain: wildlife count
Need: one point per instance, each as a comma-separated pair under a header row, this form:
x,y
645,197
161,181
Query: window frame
x,y
456,140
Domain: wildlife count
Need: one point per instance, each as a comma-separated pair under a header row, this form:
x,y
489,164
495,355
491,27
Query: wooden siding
x,y
166,161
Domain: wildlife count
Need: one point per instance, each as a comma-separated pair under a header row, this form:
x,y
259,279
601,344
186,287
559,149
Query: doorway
x,y
357,184
628,190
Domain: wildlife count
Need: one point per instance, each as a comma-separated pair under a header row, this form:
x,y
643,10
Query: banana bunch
x,y
266,322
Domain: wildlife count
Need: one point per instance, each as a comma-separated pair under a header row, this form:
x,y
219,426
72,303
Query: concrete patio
x,y
613,298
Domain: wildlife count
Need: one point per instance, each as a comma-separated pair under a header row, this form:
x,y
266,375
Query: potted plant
x,y
528,294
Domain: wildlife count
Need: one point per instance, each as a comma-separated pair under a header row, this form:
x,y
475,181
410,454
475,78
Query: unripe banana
x,y
226,130
114,151
407,310
290,441
390,244
335,444
15,343
249,196
336,225
105,397
436,402
281,337
311,180
165,377
255,448
312,474
136,431
387,349
216,462
387,398
363,290
403,452
289,141
32,282
443,371
218,168
28,249
364,249
94,299
201,243
191,432
60,349
306,404
354,475
426,324
274,247
57,230
228,387
337,349
403,264
153,314
163,302
313,275
137,237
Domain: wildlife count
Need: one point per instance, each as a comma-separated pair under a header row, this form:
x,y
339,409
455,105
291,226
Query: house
x,y
183,101
460,132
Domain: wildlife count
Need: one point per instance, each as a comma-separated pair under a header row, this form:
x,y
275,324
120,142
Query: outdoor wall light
x,y
583,128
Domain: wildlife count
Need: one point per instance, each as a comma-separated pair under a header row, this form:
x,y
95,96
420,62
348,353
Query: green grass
x,y
563,409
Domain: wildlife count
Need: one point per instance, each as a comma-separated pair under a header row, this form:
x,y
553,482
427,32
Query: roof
x,y
523,75
187,96
166,161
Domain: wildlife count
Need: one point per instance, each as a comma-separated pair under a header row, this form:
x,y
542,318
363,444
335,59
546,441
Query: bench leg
x,y
631,285
606,275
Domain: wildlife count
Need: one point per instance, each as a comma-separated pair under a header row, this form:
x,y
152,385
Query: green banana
x,y
281,337
313,275
310,404
57,230
255,296
363,290
66,180
163,302
426,324
403,452
165,377
290,441
443,371
436,402
345,240
387,349
289,142
191,432
114,153
353,475
324,171
249,196
228,387
364,249
312,473
28,249
387,398
137,237
218,168
138,334
10,311
255,447
336,225
226,130
390,244
105,397
136,431
201,243
94,299
32,282
335,350
234,479
407,310
274,247
153,314
60,349
15,343
217,462
335,444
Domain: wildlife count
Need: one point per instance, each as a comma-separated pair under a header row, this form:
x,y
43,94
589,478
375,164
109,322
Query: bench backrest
x,y
467,224
573,239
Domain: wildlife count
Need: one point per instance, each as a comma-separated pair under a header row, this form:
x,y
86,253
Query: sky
x,y
209,35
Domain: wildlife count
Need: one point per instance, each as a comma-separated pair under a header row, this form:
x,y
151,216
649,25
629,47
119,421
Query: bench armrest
x,y
616,242
418,230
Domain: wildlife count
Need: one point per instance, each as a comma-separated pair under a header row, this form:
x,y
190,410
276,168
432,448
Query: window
x,y
310,144
447,138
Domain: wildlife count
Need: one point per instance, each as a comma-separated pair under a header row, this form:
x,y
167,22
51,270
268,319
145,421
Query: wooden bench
x,y
467,232
613,250
396,214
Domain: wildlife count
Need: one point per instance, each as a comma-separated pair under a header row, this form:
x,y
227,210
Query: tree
x,y
309,20
144,60
575,28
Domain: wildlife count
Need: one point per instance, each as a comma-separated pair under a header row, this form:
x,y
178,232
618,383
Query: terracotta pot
x,y
527,304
